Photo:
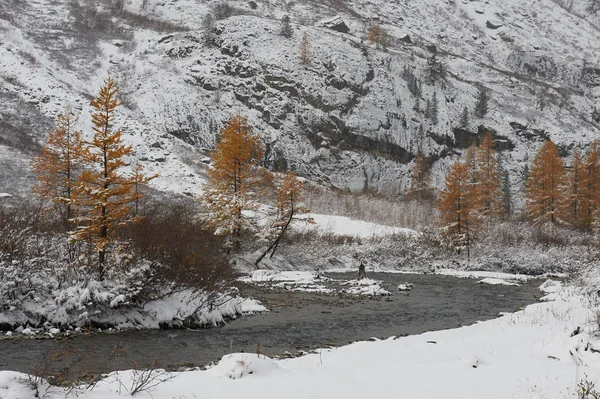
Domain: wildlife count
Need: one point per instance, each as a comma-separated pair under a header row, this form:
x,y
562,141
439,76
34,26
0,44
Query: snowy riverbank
x,y
528,354
47,317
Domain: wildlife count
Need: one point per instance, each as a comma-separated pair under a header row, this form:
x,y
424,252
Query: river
x,y
297,322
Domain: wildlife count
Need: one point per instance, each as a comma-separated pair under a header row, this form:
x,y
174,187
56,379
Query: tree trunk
x,y
273,247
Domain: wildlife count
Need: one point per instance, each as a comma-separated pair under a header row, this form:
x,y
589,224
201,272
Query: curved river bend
x,y
297,322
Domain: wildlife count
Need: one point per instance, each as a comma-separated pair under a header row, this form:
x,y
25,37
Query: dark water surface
x,y
298,321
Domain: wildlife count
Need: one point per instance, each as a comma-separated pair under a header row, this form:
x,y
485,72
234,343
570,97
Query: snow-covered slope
x,y
348,119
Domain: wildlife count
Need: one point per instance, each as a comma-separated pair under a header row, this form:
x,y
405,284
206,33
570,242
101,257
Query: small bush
x,y
191,255
224,11
586,389
166,254
146,22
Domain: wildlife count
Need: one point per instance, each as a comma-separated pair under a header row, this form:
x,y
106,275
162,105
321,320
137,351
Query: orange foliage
x,y
571,209
105,191
456,206
58,165
235,178
290,204
290,201
591,186
378,36
543,191
488,193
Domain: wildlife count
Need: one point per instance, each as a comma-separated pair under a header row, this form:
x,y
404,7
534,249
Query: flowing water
x,y
298,322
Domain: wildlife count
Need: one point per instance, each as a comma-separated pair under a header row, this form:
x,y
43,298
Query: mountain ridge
x,y
349,120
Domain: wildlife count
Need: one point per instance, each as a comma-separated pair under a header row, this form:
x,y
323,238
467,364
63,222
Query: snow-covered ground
x,y
316,282
528,354
70,310
345,226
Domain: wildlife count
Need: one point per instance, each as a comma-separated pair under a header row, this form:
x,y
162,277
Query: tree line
x,y
475,191
96,186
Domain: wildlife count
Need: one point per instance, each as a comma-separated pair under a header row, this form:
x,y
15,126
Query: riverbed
x,y
298,322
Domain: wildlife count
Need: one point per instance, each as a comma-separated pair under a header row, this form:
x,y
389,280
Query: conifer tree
x,y
208,24
545,182
572,206
506,195
105,191
235,179
455,204
590,186
417,106
464,118
428,109
488,192
286,27
290,205
481,105
58,166
305,57
420,179
471,161
436,70
434,109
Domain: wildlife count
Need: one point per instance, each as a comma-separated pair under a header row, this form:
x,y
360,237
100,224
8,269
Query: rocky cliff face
x,y
354,118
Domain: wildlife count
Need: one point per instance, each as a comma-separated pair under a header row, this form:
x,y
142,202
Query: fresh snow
x,y
496,281
170,310
489,275
345,226
405,287
538,59
314,281
528,354
366,286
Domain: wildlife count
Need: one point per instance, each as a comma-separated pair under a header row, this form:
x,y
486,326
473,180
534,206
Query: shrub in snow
x,y
42,283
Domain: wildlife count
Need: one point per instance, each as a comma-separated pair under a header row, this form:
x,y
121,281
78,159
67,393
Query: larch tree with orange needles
x,y
106,191
290,206
58,166
488,191
235,179
573,200
591,186
457,216
544,186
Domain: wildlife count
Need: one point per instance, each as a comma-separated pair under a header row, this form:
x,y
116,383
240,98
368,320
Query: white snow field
x,y
345,226
528,354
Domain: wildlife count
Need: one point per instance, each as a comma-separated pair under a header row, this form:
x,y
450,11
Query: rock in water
x,y
405,287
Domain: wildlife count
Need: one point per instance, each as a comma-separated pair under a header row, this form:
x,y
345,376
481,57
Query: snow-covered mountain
x,y
350,118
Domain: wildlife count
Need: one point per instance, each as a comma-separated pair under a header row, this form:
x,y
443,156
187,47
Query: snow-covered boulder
x,y
238,365
550,286
336,23
496,281
405,287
